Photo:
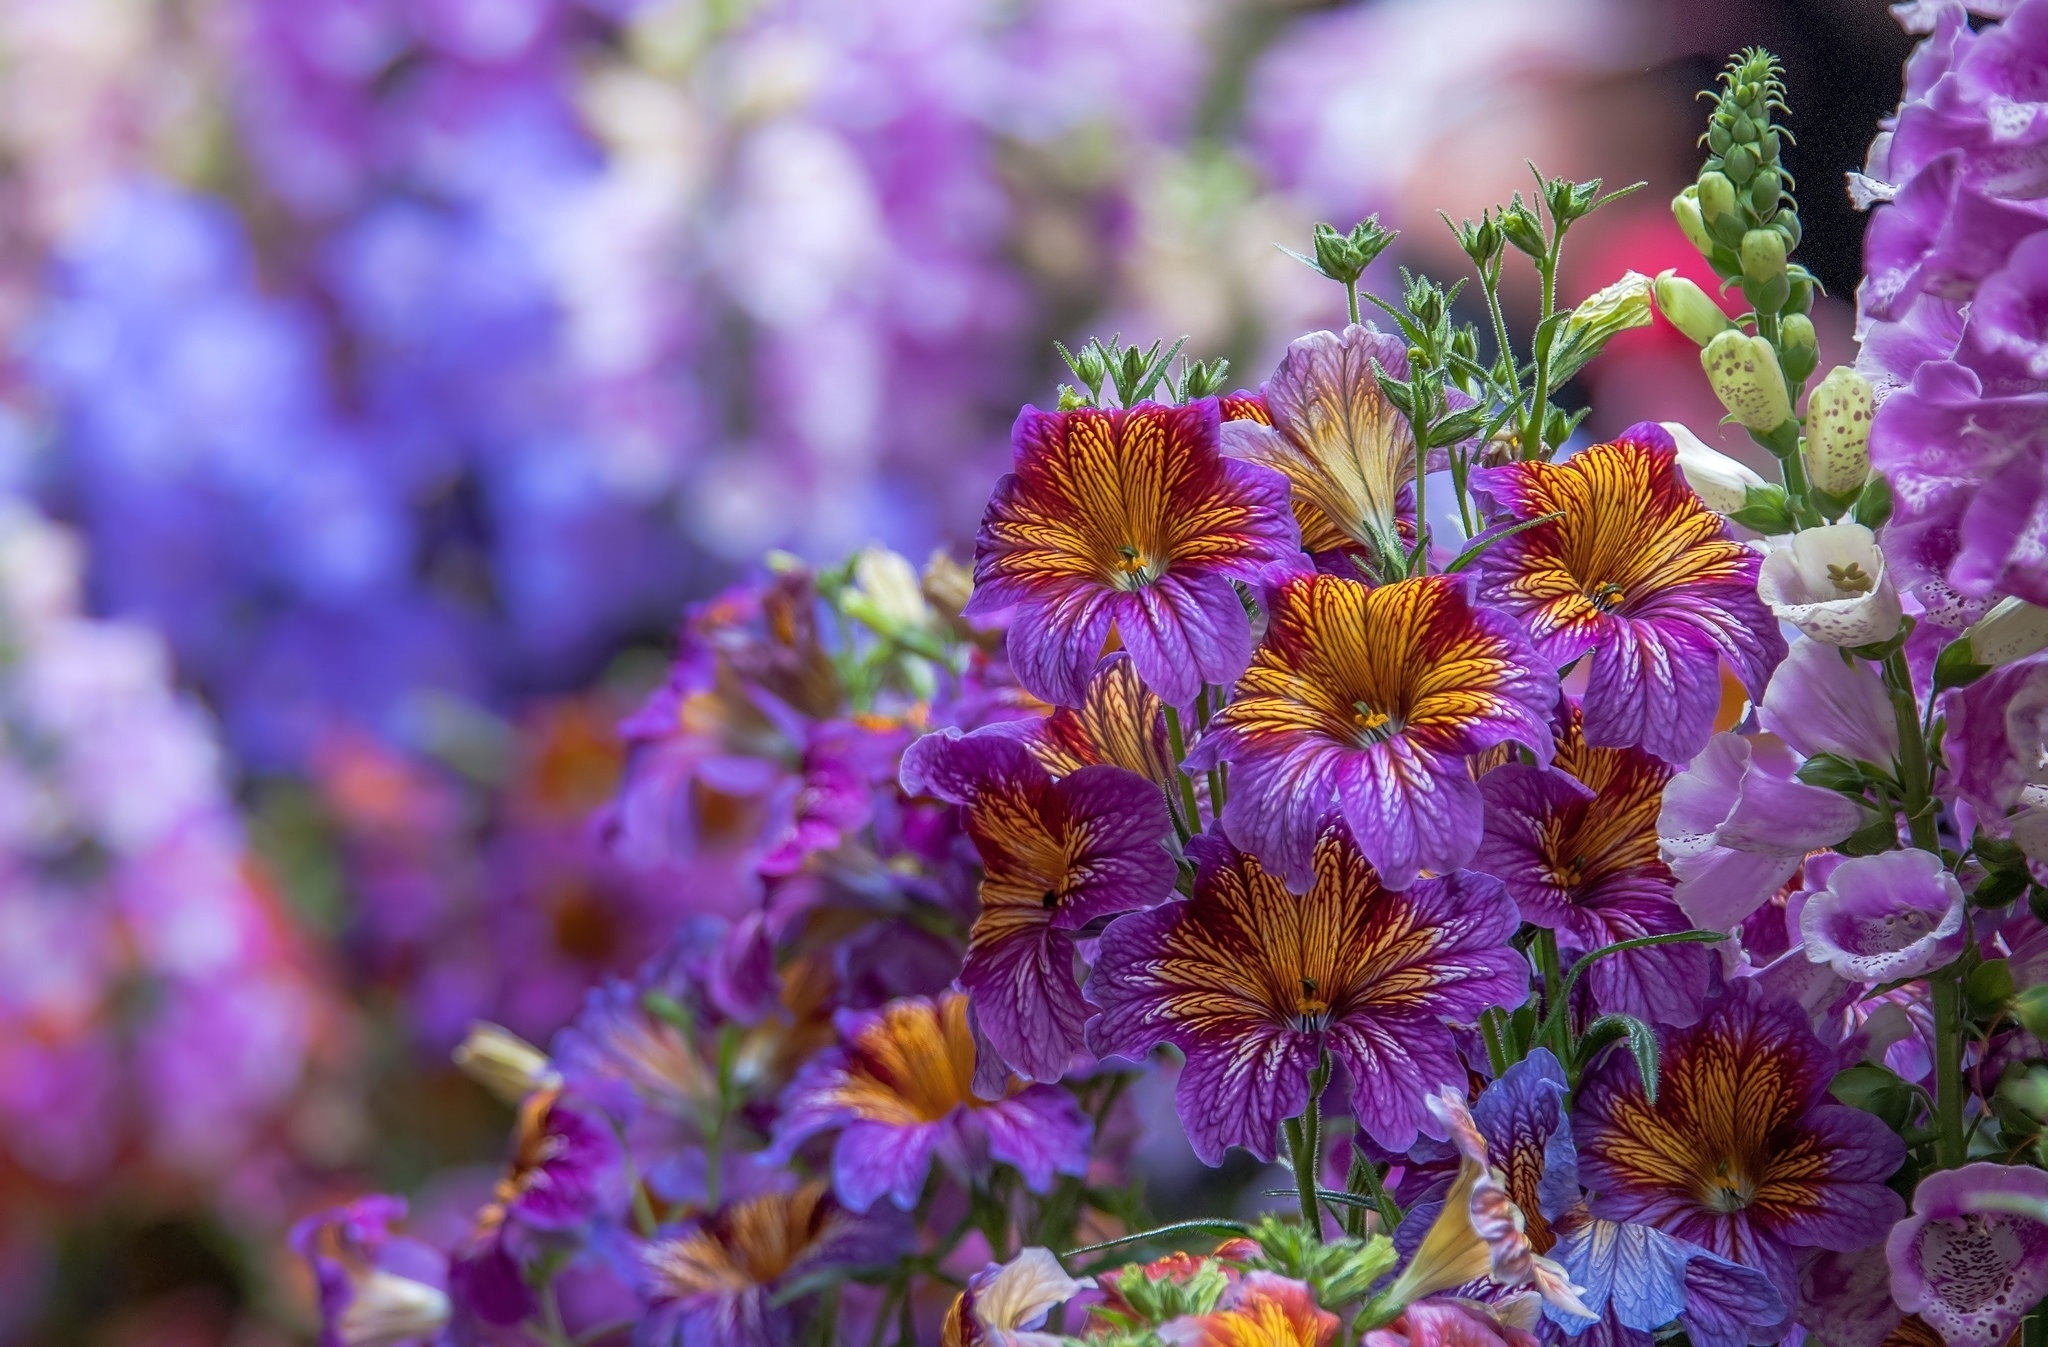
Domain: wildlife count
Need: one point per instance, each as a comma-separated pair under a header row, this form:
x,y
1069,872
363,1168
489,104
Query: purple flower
x,y
1824,700
1132,521
1973,1256
1056,855
1942,234
377,1289
1735,826
1743,1153
1368,703
1253,983
746,1274
1997,730
900,1090
1640,574
1894,915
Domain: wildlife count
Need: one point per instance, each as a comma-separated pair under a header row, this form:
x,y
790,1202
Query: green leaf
x,y
1880,834
1642,1045
1956,666
1877,1091
1873,508
1478,546
1831,771
1989,986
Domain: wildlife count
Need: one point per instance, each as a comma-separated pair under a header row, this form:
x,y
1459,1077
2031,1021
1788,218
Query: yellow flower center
x,y
1850,579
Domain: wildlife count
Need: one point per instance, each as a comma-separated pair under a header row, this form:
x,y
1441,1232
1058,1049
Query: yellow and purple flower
x,y
1576,845
1131,521
376,1287
1003,1306
1261,1309
1055,855
1973,1257
1367,703
1253,983
1744,1153
1640,574
1120,722
900,1090
736,1277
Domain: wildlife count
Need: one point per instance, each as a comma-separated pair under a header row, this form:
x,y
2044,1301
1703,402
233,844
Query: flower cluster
x,y
1608,924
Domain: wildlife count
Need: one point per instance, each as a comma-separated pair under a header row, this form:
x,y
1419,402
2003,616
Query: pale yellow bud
x,y
1689,309
2012,630
1838,431
503,1062
1745,376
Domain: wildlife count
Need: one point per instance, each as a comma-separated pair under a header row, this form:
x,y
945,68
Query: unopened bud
x,y
1335,257
1739,163
1722,483
1685,208
1744,373
1798,346
2030,1008
1522,228
1763,255
1838,431
1688,308
886,592
2012,630
1764,192
385,1308
504,1063
1716,196
1601,315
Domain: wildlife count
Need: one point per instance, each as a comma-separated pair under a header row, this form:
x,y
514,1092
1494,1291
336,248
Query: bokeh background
x,y
379,378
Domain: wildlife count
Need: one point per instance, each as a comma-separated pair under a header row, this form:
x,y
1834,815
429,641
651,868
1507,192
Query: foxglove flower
x,y
1973,1257
1735,826
1346,451
1722,483
900,1090
1894,915
1002,1306
1824,700
1744,1153
1638,573
1055,855
722,1280
1132,521
1576,846
1253,983
377,1288
1367,703
1831,583
1997,730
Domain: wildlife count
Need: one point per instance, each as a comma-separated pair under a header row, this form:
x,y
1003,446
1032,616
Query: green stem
x,y
1539,396
1496,1041
1912,763
1551,970
1950,1143
1351,298
2034,1329
1366,1174
1307,1134
1178,743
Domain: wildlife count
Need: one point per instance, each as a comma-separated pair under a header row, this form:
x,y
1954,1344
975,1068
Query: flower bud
x,y
1522,228
1716,196
503,1062
388,1308
1744,373
1798,346
1685,208
891,600
1722,483
1764,192
1763,255
1598,318
2030,1008
1688,308
2012,630
1739,164
1838,431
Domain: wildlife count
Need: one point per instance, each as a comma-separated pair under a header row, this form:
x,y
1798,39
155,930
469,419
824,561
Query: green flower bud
x,y
1787,223
1335,256
1599,316
1798,347
1799,294
1716,196
1522,227
1838,431
1688,308
1744,373
1764,191
1763,255
1767,147
503,1062
1740,163
1685,208
1718,139
2012,630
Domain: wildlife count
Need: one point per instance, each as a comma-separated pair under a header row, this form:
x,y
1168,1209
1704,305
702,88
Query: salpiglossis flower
x,y
1744,1152
1120,723
1132,521
1252,983
1367,702
1638,572
901,1090
1055,856
1576,845
1263,1309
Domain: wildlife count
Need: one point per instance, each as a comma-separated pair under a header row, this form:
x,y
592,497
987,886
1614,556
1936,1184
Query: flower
x,y
1367,702
1973,1257
735,1277
1822,699
1003,1305
900,1090
1893,915
1055,855
1132,520
1722,483
1263,1309
1735,826
1576,846
1346,451
1838,431
1253,984
377,1289
1997,728
1448,1323
1831,583
1743,371
1744,1153
2012,630
1120,722
1639,573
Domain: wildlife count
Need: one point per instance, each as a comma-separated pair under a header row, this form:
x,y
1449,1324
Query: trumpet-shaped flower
x,y
1367,703
1253,983
1055,856
1130,520
725,1280
1346,450
900,1090
1893,915
1119,723
1973,1256
1636,571
1831,583
1003,1306
1576,846
1823,700
1743,1153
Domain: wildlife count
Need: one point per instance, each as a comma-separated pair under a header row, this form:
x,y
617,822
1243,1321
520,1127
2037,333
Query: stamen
x,y
1850,579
